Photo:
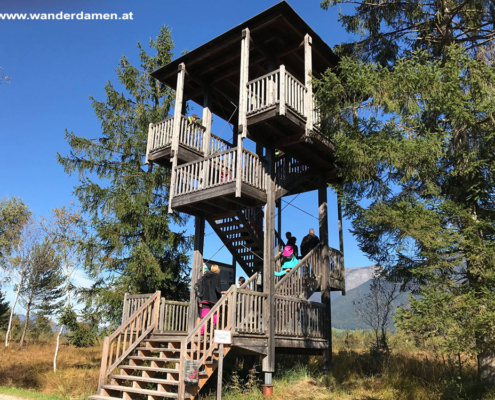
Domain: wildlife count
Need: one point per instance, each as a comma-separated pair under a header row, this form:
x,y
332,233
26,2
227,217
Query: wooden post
x,y
199,237
244,79
281,109
268,264
242,124
150,140
125,309
207,122
341,240
179,98
308,70
104,362
325,283
279,223
220,372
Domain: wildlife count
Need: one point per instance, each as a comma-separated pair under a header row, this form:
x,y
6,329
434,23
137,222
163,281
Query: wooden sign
x,y
223,337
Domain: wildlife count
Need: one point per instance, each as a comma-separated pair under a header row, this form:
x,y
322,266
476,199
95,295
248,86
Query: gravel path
x,y
5,397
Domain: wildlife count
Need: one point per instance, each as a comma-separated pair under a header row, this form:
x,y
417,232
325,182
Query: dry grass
x,y
405,374
31,367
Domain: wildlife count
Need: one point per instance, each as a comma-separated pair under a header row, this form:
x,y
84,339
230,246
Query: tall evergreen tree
x,y
413,124
133,248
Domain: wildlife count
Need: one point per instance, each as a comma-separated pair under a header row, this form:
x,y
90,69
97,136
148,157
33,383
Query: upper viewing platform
x,y
257,76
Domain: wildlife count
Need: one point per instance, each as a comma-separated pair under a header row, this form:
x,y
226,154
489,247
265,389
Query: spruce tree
x,y
412,117
133,247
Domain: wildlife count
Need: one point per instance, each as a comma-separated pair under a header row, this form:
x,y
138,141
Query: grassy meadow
x,y
406,373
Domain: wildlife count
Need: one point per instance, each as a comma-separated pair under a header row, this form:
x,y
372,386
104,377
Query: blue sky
x,y
55,65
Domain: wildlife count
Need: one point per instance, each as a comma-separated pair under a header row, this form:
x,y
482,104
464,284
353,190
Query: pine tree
x,y
413,124
4,312
133,248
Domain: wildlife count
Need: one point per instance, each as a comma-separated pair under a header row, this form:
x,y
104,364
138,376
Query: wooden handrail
x,y
297,266
251,279
207,158
128,336
263,77
297,80
220,139
250,152
163,120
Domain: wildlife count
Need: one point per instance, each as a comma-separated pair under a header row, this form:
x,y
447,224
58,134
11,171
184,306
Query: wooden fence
x,y
249,311
299,318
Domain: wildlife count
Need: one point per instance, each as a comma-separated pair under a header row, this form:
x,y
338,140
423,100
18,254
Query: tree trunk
x,y
56,348
486,366
9,328
26,322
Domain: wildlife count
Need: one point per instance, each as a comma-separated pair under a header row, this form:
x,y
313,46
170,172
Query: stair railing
x,y
127,337
200,345
308,271
251,283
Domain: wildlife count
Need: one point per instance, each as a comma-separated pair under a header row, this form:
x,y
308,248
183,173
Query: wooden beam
x,y
179,97
197,266
308,71
206,122
244,79
268,263
341,234
325,282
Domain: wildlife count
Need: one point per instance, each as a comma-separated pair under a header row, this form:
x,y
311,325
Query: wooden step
x,y
144,379
151,369
144,358
166,338
158,349
141,391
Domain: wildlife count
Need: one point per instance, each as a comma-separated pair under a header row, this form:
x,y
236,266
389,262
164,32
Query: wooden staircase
x,y
142,360
242,235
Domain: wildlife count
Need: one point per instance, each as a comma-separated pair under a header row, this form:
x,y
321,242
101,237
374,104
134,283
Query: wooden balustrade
x,y
307,273
299,318
287,170
263,92
199,344
126,338
295,92
132,303
337,268
218,145
160,134
191,135
249,309
214,170
218,169
173,316
253,170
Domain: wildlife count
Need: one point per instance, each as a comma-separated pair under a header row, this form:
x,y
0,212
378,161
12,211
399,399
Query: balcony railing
x,y
264,93
219,169
192,136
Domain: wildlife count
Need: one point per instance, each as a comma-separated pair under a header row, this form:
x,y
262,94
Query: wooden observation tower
x,y
260,73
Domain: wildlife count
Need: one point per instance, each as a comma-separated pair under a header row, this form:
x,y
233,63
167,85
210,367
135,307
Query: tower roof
x,y
277,38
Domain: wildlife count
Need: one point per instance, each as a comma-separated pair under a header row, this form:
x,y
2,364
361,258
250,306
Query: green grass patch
x,y
29,394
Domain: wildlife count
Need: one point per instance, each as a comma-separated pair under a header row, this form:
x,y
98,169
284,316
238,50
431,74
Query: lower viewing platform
x,y
212,185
